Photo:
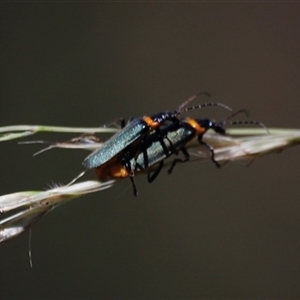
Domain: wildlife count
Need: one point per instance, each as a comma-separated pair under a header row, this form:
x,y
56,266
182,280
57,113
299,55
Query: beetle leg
x,y
152,176
174,150
135,192
175,161
122,122
115,123
211,149
131,176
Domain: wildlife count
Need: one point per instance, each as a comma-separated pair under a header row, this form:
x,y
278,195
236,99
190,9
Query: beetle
x,y
137,130
154,151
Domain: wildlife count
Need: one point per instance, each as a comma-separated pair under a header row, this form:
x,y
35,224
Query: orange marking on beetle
x,y
150,122
112,169
119,171
199,129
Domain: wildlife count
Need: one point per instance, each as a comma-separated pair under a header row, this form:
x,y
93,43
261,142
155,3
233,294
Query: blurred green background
x,y
201,233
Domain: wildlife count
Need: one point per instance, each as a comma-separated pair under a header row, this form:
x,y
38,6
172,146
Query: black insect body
x,y
154,150
137,131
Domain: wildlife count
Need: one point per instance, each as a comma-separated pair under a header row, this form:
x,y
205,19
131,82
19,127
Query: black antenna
x,y
206,105
191,99
242,122
248,122
245,111
181,108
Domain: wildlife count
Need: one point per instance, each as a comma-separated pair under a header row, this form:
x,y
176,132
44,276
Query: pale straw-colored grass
x,y
28,207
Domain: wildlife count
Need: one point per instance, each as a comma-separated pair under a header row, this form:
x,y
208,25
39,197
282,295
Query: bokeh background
x,y
200,233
